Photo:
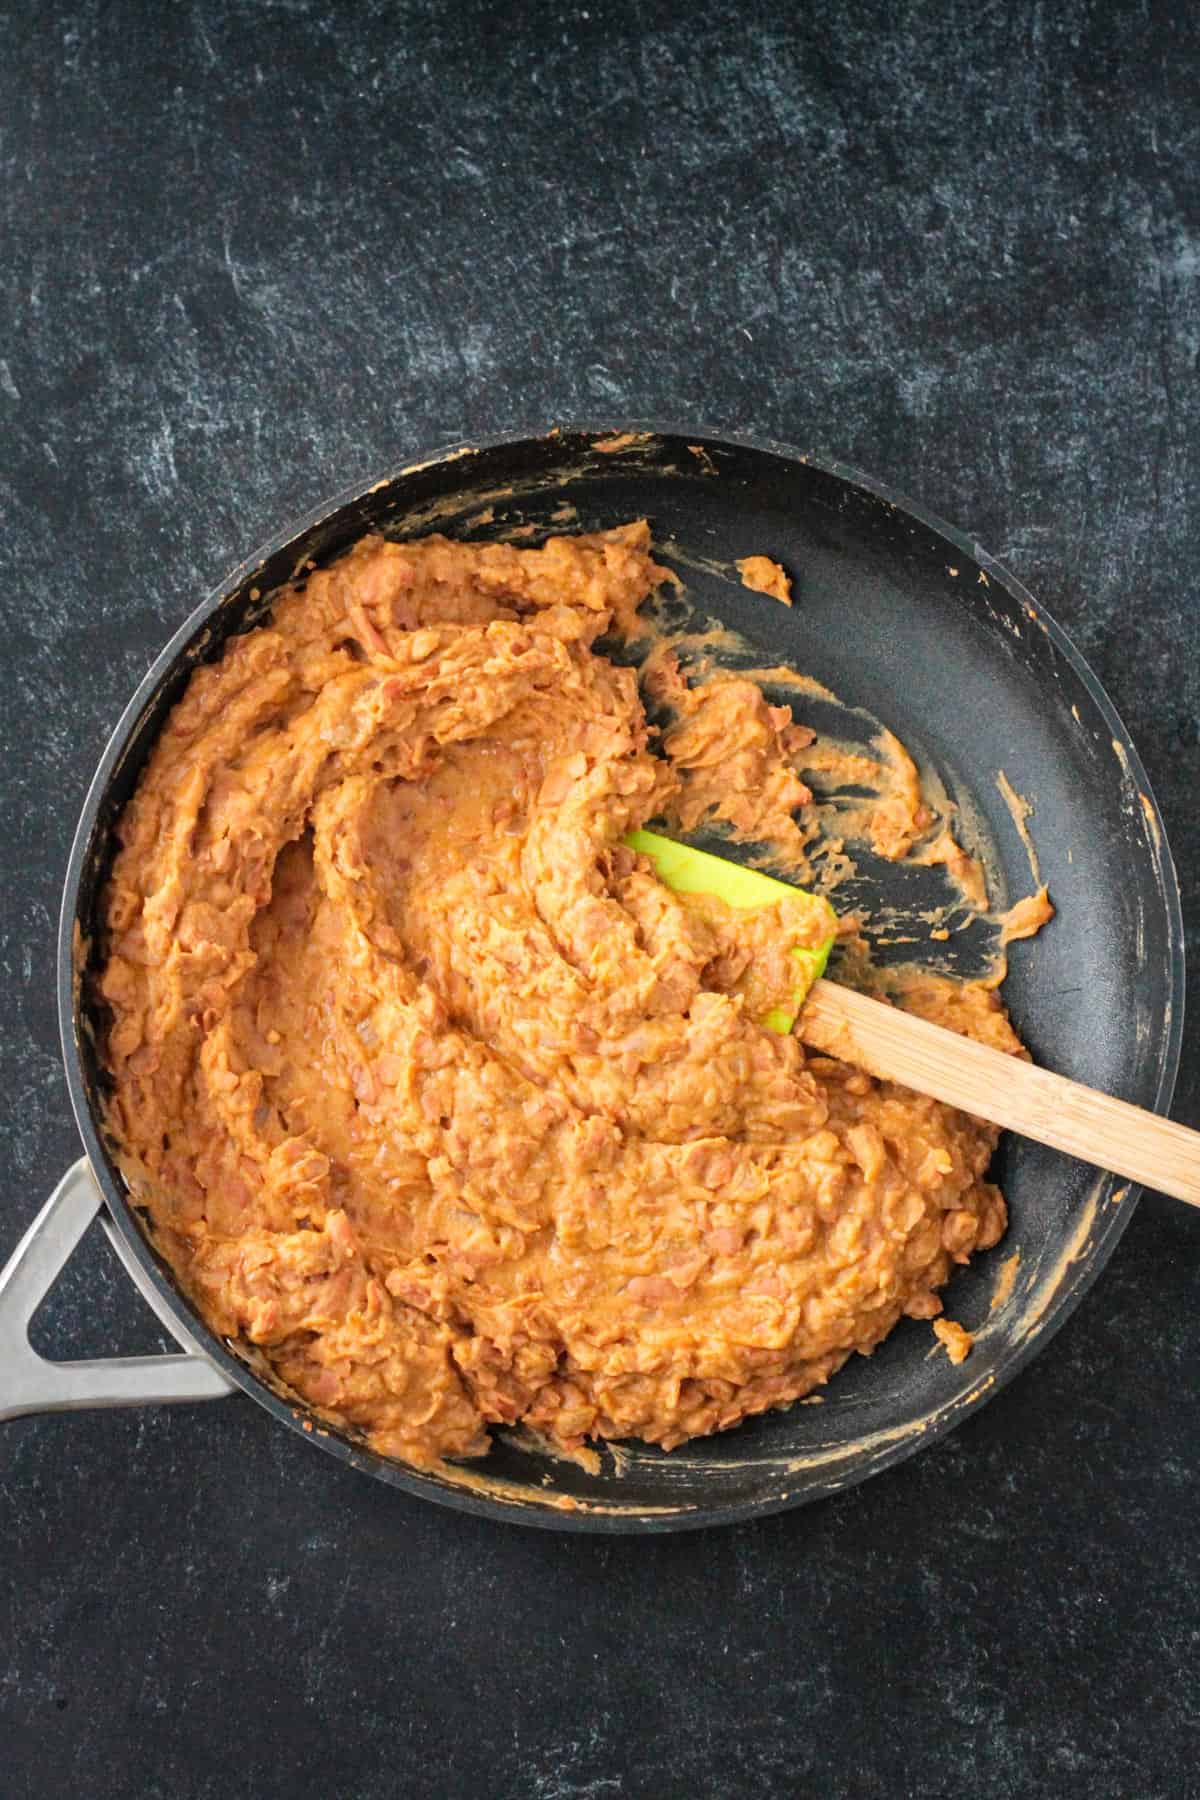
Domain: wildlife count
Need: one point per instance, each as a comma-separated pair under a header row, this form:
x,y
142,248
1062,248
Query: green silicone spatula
x,y
897,1046
688,871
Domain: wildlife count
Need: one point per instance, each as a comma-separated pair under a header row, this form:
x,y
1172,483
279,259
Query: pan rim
x,y
426,1485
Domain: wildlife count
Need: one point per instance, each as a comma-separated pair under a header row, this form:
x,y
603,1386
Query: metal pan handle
x,y
31,1384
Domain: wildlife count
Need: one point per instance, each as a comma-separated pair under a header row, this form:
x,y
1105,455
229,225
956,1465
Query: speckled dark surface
x,y
252,252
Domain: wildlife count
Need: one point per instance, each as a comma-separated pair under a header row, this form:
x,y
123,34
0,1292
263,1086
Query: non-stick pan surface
x,y
897,614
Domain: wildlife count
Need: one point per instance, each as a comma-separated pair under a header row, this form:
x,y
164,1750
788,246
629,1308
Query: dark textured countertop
x,y
251,253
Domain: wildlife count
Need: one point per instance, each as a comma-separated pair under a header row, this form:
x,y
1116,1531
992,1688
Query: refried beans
x,y
432,1092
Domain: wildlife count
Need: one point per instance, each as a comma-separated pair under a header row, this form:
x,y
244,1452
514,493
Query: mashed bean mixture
x,y
427,1086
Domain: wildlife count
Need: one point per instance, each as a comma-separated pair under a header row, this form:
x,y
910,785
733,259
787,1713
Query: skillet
x,y
909,622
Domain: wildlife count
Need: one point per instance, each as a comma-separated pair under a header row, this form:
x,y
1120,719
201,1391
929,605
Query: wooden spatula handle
x,y
1006,1090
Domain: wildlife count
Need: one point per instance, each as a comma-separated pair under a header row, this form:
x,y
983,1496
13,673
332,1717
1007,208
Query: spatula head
x,y
807,919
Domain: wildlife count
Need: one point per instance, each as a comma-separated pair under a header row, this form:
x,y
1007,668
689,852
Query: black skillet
x,y
901,615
